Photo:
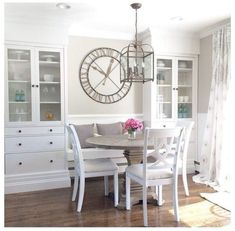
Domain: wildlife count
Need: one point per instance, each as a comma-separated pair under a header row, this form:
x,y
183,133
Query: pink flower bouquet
x,y
132,125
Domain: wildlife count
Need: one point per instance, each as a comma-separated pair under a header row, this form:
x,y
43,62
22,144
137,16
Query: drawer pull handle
x,y
19,131
164,125
51,161
51,142
20,163
51,130
19,144
32,85
37,85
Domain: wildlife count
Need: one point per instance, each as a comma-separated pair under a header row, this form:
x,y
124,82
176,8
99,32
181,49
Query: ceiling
x,y
117,17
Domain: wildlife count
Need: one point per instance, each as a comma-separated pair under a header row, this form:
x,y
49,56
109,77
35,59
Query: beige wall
x,y
78,101
205,73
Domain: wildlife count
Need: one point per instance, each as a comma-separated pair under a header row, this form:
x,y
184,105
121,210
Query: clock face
x,y
100,76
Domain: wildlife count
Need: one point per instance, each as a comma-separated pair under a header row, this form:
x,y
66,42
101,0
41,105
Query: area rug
x,y
222,199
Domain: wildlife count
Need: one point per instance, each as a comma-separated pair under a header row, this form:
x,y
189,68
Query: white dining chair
x,y
161,172
188,125
90,168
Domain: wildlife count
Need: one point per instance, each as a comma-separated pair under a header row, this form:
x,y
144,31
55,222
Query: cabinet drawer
x,y
21,131
164,125
34,162
34,144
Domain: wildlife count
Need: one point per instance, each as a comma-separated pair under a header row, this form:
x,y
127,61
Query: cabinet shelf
x,y
163,102
184,69
164,85
184,85
184,102
19,81
50,102
19,102
18,60
44,82
164,68
49,64
20,113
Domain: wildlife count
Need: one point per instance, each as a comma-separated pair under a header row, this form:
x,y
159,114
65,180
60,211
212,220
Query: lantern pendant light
x,y
137,59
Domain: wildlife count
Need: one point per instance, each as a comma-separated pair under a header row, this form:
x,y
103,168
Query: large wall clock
x,y
100,76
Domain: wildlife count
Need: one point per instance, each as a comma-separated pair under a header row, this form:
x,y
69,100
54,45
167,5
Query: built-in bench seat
x,y
88,130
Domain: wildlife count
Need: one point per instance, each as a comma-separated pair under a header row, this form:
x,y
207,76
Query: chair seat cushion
x,y
152,174
100,165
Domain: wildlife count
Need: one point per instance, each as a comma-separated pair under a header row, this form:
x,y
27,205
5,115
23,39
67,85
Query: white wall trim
x,y
210,30
104,115
101,118
36,181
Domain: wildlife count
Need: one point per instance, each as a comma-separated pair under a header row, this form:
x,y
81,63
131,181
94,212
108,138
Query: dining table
x,y
133,152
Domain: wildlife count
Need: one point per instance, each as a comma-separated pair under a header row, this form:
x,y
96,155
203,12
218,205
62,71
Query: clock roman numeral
x,y
95,95
109,52
100,97
108,99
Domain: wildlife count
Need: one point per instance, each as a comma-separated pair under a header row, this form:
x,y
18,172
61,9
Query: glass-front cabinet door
x,y
33,83
49,85
18,73
185,88
164,84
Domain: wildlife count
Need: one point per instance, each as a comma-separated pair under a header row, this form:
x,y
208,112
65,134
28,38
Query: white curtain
x,y
215,156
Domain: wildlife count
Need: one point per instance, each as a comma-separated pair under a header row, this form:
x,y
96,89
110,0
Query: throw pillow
x,y
84,132
110,129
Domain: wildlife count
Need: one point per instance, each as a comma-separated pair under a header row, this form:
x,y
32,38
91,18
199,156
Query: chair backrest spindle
x,y
78,157
162,142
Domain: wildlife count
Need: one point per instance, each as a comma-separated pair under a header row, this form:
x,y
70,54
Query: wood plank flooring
x,y
54,208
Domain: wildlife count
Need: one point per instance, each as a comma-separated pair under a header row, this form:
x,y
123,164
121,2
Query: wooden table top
x,y
117,142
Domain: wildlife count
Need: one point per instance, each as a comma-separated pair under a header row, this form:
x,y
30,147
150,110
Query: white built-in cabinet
x,y
175,88
34,118
172,97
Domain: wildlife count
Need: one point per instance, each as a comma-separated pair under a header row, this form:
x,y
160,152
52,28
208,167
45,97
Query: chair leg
x,y
175,201
128,192
115,182
106,185
81,193
184,177
75,187
145,212
159,194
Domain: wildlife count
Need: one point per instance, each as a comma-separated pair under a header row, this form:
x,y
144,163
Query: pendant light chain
x,y
136,27
136,38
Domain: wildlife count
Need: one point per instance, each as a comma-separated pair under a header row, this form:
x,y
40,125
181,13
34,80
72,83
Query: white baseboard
x,y
190,166
201,118
36,181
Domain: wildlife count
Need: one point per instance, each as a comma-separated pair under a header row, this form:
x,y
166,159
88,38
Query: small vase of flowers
x,y
132,125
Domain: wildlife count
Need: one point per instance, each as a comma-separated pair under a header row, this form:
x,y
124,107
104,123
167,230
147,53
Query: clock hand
x,y
109,67
108,70
100,71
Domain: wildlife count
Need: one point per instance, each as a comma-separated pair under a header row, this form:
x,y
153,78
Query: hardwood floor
x,y
54,208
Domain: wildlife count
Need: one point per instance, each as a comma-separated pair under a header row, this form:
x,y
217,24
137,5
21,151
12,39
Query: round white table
x,y
133,151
